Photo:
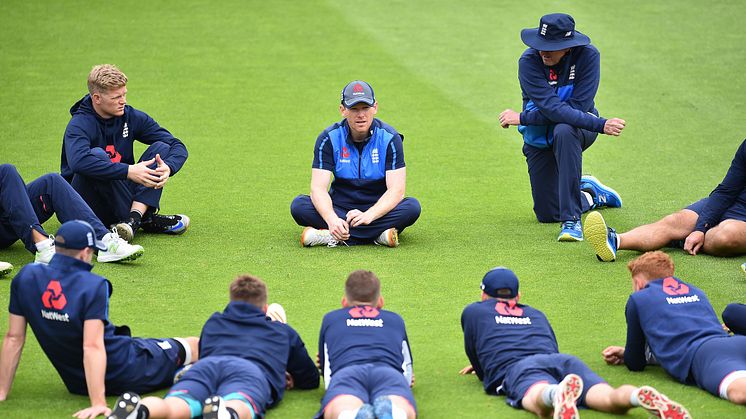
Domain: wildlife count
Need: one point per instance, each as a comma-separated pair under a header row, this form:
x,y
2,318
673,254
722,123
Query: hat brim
x,y
351,103
531,38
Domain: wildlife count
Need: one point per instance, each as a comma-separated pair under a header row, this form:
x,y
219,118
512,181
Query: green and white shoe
x,y
5,268
117,249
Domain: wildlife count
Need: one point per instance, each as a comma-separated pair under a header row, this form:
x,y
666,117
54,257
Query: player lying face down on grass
x,y
514,352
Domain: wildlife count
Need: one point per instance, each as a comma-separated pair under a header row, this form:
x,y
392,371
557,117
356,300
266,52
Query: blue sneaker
x,y
166,224
603,238
382,408
603,196
572,231
366,411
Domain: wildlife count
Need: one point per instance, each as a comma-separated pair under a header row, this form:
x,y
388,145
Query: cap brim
x,y
531,38
356,101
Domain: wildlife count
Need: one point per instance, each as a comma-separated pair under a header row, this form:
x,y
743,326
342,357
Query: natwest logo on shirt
x,y
673,287
508,309
345,153
365,311
53,298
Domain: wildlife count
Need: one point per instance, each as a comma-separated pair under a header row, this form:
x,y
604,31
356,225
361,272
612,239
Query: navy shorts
x,y
367,382
230,377
549,368
737,210
152,367
716,359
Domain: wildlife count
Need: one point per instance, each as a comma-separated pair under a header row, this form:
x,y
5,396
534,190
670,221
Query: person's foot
x,y
566,397
661,406
127,229
215,408
602,238
165,224
603,196
126,407
389,237
181,371
117,249
572,231
44,251
5,268
366,411
317,237
382,407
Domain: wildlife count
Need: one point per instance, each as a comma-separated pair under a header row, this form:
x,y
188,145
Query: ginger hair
x,y
652,265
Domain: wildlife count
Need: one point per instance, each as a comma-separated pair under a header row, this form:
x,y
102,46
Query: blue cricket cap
x,y
77,234
500,282
356,92
556,31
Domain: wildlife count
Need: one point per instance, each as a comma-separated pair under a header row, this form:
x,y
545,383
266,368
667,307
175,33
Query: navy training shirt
x,y
673,318
731,190
359,174
363,335
244,330
497,334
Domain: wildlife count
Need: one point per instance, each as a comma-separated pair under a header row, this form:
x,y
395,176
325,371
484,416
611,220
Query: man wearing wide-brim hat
x,y
559,76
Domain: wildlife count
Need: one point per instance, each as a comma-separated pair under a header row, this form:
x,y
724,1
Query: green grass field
x,y
248,85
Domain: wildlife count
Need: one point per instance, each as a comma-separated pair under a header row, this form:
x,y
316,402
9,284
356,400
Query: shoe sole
x,y
565,237
121,258
661,406
6,271
609,191
597,232
125,231
126,404
303,237
569,391
212,408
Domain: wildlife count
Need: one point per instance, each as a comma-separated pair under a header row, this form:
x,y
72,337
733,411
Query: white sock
x,y
633,400
44,244
397,413
547,395
348,414
588,197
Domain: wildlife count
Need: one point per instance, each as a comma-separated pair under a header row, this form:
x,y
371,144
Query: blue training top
x,y
363,335
116,135
497,334
673,318
359,173
243,330
562,93
731,190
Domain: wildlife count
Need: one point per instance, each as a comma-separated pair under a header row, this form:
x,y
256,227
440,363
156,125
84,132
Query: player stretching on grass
x,y
559,75
67,307
715,225
675,320
513,350
366,202
245,356
365,357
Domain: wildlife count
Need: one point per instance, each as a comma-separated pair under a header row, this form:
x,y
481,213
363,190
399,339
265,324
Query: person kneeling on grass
x,y
67,307
513,350
247,362
675,320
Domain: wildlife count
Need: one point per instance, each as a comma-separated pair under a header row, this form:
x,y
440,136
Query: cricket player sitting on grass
x,y
513,350
365,203
67,307
365,357
675,321
715,225
248,360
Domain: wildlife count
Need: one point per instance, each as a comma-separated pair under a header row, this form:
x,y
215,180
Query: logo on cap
x,y
544,29
673,287
357,89
365,311
53,296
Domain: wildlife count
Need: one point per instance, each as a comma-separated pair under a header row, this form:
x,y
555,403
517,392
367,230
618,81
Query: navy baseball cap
x,y
500,282
77,234
356,92
555,32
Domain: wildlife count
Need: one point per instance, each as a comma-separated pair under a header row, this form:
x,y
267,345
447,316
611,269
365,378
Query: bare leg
x,y
658,234
726,239
340,404
533,402
139,207
605,398
737,391
403,404
38,237
170,408
243,410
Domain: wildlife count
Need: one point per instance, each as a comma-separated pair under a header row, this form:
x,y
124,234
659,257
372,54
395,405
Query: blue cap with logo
x,y
500,282
77,234
555,32
356,92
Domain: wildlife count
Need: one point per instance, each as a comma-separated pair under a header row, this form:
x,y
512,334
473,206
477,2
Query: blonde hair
x,y
653,265
105,77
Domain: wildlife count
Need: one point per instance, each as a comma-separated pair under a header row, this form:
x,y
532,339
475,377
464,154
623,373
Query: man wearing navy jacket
x,y
246,362
365,357
67,307
365,203
98,158
513,350
676,323
559,75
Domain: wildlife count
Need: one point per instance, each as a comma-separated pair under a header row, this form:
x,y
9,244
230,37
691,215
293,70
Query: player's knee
x,y
158,147
100,153
298,206
737,392
54,179
412,209
732,313
7,168
563,132
726,238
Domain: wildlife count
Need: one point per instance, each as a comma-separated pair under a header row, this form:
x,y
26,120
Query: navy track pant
x,y
734,316
401,217
555,174
26,207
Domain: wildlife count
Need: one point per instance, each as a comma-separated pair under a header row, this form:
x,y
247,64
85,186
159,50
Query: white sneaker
x,y
388,238
117,249
44,251
5,268
314,237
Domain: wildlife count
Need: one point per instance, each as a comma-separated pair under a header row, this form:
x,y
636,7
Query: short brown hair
x,y
105,77
362,287
653,265
249,289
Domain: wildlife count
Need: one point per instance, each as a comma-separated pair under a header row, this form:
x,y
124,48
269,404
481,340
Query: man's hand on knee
x,y
163,171
356,218
339,229
694,242
142,174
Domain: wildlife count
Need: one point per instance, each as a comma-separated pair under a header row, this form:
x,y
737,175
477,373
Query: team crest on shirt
x,y
572,72
374,156
125,131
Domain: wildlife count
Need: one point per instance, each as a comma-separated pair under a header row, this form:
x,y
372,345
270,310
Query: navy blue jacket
x,y
243,330
498,334
673,319
731,190
562,93
359,174
363,335
116,135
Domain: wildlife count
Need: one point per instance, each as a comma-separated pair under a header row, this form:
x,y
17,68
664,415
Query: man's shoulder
x,y
585,53
336,127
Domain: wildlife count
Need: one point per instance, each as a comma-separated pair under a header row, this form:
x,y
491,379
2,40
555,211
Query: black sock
x,y
135,216
233,413
143,412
